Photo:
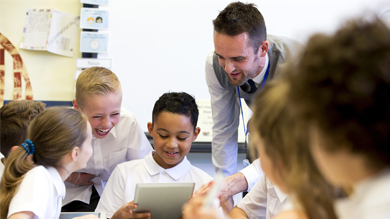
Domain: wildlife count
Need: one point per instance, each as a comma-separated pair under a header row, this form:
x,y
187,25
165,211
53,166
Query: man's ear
x,y
150,128
74,154
264,48
196,133
75,105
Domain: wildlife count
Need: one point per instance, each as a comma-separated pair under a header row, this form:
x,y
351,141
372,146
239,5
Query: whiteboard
x,y
158,46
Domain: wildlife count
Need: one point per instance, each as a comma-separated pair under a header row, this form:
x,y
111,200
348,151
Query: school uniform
x,y
120,188
125,142
264,201
370,199
41,192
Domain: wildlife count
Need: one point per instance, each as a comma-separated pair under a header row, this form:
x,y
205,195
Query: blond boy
x,y
117,137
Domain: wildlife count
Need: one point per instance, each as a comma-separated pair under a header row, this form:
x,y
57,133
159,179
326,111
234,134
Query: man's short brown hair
x,y
238,18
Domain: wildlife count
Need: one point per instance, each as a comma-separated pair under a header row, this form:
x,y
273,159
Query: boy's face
x,y
172,137
103,112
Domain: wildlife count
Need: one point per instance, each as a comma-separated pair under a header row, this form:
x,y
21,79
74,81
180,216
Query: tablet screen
x,y
163,200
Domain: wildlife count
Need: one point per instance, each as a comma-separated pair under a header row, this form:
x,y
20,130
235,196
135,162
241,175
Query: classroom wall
x,y
159,45
52,76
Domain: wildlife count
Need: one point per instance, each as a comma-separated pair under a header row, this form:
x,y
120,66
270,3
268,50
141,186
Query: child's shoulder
x,y
130,165
199,173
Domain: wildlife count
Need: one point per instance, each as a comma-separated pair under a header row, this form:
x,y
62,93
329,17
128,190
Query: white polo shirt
x,y
125,142
120,188
264,201
371,199
40,192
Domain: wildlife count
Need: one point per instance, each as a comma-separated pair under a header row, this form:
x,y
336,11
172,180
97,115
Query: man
x,y
243,60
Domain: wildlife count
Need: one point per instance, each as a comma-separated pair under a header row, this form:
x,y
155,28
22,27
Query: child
x,y
285,159
117,137
173,129
341,87
59,140
15,117
285,156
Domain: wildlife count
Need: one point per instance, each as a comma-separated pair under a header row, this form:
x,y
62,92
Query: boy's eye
x,y
115,114
181,139
96,117
163,136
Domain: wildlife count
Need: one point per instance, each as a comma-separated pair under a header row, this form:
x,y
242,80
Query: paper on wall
x,y
95,2
50,30
93,18
205,122
93,42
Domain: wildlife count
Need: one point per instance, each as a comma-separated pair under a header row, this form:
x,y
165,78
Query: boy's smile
x,y
172,135
103,112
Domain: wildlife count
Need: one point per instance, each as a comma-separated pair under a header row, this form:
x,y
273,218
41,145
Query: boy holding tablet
x,y
117,137
173,129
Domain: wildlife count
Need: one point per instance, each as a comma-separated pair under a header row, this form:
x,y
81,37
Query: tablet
x,y
162,200
71,215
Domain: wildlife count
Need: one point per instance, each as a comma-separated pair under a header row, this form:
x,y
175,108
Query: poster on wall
x,y
95,2
205,122
50,30
93,42
93,18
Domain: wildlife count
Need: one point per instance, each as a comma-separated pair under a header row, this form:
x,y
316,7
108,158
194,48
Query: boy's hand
x,y
126,211
81,179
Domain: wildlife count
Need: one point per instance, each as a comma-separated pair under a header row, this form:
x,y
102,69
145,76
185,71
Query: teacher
x,y
243,60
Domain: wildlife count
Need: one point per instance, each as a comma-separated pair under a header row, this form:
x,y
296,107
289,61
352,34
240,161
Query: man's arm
x,y
232,185
252,174
225,112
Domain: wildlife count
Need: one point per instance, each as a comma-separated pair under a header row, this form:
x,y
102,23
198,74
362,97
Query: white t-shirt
x,y
125,142
370,200
40,192
264,201
120,188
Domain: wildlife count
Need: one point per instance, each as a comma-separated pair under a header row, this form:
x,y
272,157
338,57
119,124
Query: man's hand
x,y
81,179
193,210
232,185
126,211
